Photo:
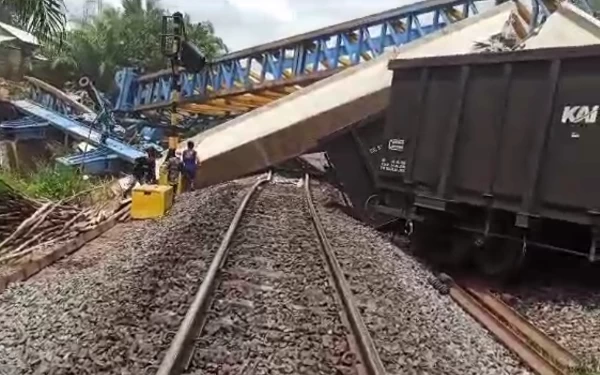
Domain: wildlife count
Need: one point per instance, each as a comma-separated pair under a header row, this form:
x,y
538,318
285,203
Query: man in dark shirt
x,y
151,156
189,160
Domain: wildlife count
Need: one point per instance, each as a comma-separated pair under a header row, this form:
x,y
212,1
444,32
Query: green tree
x,y
44,18
120,38
595,5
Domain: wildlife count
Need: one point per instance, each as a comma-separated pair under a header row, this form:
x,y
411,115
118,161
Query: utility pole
x,y
91,9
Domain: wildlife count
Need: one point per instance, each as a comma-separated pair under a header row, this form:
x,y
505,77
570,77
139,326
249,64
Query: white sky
x,y
245,23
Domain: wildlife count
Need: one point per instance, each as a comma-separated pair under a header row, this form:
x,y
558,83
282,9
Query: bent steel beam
x,y
80,131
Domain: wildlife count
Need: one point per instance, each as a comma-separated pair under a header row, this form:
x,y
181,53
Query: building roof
x,y
6,38
21,35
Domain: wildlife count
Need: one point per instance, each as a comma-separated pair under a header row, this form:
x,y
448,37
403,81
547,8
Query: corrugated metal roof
x,y
6,38
23,36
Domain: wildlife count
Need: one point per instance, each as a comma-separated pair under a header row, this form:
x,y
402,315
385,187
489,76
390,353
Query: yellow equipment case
x,y
151,201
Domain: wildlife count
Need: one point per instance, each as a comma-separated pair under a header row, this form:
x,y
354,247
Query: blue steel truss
x,y
298,60
25,128
52,102
80,131
93,162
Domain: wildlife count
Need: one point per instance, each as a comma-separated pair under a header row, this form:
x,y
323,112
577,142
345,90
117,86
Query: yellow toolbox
x,y
151,201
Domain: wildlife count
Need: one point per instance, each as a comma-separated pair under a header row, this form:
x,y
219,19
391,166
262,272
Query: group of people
x,y
183,165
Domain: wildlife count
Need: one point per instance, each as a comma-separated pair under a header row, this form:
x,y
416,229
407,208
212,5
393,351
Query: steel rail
x,y
179,353
550,348
368,353
531,345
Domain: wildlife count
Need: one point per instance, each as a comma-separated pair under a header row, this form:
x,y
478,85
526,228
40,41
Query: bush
x,y
49,181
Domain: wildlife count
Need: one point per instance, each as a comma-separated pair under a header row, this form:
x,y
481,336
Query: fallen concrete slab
x,y
567,26
294,124
289,126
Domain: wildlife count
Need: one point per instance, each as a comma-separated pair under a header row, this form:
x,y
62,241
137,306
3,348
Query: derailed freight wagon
x,y
487,154
354,153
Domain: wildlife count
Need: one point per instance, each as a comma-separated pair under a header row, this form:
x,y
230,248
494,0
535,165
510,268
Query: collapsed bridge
x,y
245,80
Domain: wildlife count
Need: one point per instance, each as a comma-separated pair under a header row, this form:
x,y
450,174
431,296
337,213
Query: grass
x,y
589,368
49,181
586,372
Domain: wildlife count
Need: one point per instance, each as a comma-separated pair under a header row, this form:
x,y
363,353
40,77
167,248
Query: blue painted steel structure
x,y
308,57
50,101
28,127
79,130
301,59
101,160
94,162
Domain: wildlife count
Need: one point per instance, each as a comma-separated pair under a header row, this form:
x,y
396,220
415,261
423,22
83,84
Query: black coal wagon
x,y
495,152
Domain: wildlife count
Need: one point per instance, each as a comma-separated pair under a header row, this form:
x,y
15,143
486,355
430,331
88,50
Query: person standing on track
x,y
173,170
190,164
151,167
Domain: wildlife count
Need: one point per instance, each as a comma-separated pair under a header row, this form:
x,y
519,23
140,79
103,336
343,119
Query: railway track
x,y
274,297
532,346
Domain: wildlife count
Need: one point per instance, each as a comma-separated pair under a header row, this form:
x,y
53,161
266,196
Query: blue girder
x,y
80,131
28,127
26,122
50,101
292,61
99,154
97,161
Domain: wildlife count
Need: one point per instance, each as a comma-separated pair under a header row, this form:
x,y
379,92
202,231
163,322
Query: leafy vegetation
x,y
48,181
119,38
594,4
586,372
588,367
44,18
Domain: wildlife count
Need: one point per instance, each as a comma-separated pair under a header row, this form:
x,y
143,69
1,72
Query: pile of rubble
x,y
258,139
29,225
11,89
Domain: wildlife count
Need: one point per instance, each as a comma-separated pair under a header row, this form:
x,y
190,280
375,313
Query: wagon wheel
x,y
420,240
500,258
376,218
451,249
461,250
372,201
436,242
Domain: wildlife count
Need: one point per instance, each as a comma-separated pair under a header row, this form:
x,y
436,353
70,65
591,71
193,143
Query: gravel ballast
x,y
416,330
114,306
275,310
569,314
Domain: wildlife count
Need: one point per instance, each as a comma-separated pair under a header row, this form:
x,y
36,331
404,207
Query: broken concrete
x,y
568,26
294,124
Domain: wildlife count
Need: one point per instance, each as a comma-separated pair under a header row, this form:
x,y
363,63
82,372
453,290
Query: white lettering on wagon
x,y
579,114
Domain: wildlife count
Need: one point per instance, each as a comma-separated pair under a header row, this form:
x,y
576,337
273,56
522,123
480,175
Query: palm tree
x,y
134,7
45,19
119,38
